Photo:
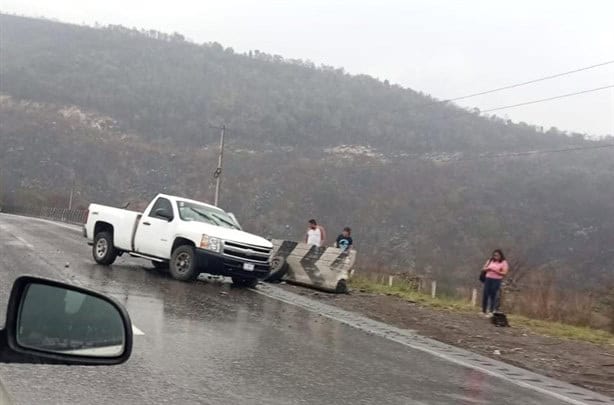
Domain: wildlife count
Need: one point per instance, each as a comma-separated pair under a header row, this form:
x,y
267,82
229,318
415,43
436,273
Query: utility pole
x,y
72,190
218,172
1,188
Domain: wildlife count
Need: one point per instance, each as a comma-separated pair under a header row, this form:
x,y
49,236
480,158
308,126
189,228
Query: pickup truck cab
x,y
188,237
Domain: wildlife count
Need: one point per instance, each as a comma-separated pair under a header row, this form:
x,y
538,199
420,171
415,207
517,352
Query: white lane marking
x,y
25,242
136,331
98,351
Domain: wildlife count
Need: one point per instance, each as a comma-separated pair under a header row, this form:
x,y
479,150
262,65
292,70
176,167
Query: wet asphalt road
x,y
208,343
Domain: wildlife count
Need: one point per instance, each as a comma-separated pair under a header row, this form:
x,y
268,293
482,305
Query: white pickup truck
x,y
187,237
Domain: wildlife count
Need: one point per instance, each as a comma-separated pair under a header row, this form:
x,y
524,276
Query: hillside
x,y
123,114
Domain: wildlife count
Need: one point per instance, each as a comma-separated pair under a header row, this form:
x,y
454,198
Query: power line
x,y
511,86
548,99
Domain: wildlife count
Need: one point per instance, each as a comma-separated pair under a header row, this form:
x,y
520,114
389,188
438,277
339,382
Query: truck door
x,y
154,234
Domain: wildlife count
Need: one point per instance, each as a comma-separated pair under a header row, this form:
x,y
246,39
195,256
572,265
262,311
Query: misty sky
x,y
444,48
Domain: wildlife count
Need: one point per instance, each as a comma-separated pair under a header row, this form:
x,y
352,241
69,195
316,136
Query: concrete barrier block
x,y
326,269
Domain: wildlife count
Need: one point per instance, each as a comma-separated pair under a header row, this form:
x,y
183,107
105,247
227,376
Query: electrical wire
x,y
511,86
548,99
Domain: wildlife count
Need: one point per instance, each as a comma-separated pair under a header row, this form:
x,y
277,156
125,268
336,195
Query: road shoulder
x,y
584,364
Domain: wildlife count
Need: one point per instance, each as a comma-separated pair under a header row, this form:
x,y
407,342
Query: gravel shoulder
x,y
585,364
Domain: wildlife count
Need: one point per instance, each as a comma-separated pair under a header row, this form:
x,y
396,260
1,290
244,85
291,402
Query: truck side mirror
x,y
51,322
163,213
232,216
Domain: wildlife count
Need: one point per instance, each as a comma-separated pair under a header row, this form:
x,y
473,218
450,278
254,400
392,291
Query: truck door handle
x,y
146,223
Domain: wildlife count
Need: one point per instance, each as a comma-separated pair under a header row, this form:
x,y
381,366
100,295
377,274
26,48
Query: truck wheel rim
x,y
101,247
276,263
182,262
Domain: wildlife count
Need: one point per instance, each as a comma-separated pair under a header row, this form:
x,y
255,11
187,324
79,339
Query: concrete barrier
x,y
326,269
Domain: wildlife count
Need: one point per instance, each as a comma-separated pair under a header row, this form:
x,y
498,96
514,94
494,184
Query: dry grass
x,y
563,330
540,298
409,293
559,329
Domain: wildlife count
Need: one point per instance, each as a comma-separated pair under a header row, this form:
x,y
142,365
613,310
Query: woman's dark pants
x,y
489,297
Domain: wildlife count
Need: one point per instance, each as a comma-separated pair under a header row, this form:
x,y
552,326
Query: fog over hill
x,y
426,186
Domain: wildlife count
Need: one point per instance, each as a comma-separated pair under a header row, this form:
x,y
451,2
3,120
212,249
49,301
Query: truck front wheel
x,y
183,264
103,250
279,268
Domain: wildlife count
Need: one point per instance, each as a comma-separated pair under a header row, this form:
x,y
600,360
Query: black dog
x,y
499,319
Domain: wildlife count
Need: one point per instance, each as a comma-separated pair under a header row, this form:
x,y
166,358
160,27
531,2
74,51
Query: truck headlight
x,y
209,243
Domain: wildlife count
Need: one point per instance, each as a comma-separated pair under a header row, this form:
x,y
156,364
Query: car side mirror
x,y
51,322
162,213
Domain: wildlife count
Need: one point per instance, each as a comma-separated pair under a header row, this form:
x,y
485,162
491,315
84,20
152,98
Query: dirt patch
x,y
588,365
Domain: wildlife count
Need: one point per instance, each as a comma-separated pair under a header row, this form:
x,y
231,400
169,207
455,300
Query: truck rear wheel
x,y
103,250
245,282
183,264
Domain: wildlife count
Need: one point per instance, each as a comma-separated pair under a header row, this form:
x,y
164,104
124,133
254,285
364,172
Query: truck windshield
x,y
201,213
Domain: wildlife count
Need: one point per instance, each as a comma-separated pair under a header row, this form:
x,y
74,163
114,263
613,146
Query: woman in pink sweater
x,y
496,268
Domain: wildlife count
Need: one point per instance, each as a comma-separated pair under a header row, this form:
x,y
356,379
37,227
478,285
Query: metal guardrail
x,y
72,216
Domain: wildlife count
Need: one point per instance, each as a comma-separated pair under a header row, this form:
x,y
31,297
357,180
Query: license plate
x,y
248,266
